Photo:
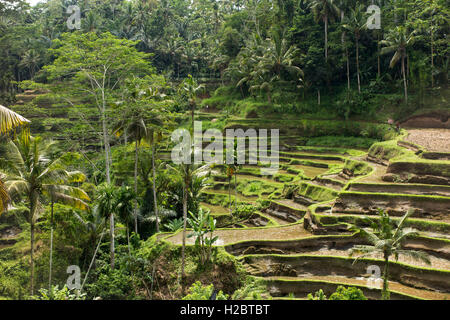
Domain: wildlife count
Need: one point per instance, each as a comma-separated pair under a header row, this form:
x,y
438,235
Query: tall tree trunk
x,y
229,192
111,234
379,56
108,175
51,249
235,191
348,69
93,259
404,79
357,64
136,160
385,293
432,52
432,63
408,74
32,257
33,205
128,240
107,148
318,97
183,248
325,19
192,114
155,200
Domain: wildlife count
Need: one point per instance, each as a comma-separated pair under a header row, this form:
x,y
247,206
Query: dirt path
x,y
436,140
234,235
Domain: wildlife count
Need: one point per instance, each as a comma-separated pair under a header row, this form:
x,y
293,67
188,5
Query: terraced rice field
x,y
305,244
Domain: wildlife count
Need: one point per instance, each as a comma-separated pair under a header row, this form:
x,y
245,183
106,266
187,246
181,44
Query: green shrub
x,y
58,294
342,293
318,295
201,292
252,290
350,293
111,285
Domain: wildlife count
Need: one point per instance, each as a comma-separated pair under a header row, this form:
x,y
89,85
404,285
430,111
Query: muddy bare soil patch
x,y
436,140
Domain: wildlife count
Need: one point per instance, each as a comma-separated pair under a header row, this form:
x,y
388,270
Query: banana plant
x,y
203,224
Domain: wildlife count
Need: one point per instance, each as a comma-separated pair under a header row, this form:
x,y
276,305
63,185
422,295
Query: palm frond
x,y
370,236
416,255
9,120
4,197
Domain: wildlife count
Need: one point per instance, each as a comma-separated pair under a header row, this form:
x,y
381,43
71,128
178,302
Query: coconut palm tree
x,y
144,116
94,224
191,88
326,11
154,138
188,173
106,207
124,208
73,197
9,120
386,238
242,67
30,60
398,40
4,196
29,172
355,23
278,57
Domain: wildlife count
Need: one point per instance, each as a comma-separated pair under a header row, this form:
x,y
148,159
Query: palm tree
x,y
325,10
143,120
30,172
387,238
398,40
94,223
71,196
124,208
30,60
344,6
4,196
173,48
190,87
106,207
188,173
220,62
9,120
95,227
356,22
154,138
278,57
241,69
